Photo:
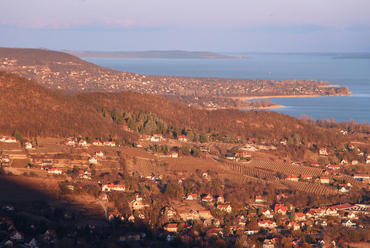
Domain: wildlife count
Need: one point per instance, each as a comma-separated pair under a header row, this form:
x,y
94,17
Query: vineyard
x,y
315,188
251,172
286,168
146,167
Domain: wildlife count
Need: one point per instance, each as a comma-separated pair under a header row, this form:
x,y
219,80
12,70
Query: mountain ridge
x,y
153,54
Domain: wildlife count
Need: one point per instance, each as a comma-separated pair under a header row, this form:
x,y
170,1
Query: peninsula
x,y
154,54
71,75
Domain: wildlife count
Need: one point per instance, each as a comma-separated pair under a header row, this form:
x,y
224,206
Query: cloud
x,y
357,28
297,29
104,23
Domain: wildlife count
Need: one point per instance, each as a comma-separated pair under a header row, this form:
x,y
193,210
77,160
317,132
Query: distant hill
x,y
33,110
173,54
262,124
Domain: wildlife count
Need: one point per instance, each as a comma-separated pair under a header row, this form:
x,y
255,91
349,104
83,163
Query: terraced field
x,y
285,168
251,171
315,188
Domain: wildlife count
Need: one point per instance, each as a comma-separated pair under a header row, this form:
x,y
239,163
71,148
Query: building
x,y
55,171
156,137
324,180
292,178
114,187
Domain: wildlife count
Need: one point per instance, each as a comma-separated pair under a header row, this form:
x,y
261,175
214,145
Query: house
x,y
220,199
280,209
311,144
171,227
32,244
323,151
191,197
182,138
8,207
204,214
224,207
84,174
203,148
137,203
293,225
109,143
361,177
315,164
352,216
131,218
156,137
348,223
207,198
114,187
343,162
260,198
171,212
55,171
300,216
69,142
16,236
28,145
333,167
267,213
244,154
82,143
126,128
103,196
93,160
281,196
99,154
113,215
268,243
306,177
267,224
97,143
292,178
324,179
230,156
10,140
344,188
354,162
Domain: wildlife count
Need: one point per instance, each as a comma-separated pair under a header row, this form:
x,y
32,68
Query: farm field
x,y
286,168
315,188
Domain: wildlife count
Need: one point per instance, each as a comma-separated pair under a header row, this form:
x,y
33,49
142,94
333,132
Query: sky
x,y
191,25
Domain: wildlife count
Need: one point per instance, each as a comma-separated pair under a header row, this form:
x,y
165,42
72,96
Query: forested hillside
x,y
259,124
34,110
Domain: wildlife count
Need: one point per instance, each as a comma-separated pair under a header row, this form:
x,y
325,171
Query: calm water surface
x,y
353,73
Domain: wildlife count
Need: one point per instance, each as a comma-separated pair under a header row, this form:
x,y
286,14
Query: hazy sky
x,y
192,25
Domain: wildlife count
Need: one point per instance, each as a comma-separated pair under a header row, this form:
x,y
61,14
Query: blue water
x,y
353,73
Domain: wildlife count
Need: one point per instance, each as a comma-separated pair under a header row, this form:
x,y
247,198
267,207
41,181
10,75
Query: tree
x,y
17,135
203,138
293,216
185,150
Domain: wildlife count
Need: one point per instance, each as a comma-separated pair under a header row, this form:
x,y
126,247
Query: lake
x,y
353,73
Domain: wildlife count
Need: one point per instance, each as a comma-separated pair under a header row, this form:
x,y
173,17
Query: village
x,y
186,193
73,77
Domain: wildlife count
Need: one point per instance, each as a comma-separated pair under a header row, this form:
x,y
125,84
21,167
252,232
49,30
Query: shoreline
x,y
243,108
244,98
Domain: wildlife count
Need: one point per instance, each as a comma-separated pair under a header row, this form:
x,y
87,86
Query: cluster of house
x,y
156,137
72,142
8,139
105,143
15,238
321,179
323,151
238,155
